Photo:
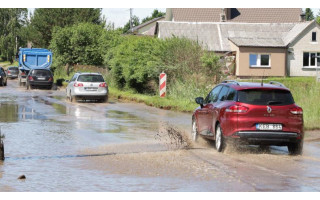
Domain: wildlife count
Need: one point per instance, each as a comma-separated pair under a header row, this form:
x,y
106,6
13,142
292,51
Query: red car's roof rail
x,y
277,83
231,81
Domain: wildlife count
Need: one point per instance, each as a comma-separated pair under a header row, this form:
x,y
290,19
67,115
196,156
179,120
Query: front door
x,y
205,114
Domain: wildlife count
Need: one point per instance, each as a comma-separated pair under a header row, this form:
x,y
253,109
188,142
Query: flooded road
x,y
119,146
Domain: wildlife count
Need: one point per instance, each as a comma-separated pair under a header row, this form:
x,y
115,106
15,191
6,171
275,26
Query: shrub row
x,y
134,62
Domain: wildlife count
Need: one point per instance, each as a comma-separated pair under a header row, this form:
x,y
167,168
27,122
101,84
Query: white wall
x,y
303,44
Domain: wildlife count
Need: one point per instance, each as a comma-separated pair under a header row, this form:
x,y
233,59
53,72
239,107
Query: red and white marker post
x,y
162,84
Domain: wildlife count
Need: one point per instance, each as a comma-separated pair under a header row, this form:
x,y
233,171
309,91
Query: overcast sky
x,y
120,16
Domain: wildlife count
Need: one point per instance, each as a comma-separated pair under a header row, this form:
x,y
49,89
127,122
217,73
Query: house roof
x,y
248,15
296,31
215,36
258,42
266,15
147,23
196,14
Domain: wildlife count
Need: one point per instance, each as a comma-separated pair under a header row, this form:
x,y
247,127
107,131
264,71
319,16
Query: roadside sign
x,y
162,84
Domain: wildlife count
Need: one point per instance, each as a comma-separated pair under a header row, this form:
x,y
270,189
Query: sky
x,y
120,16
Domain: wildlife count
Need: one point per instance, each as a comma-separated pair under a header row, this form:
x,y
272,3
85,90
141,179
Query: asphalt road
x,y
121,146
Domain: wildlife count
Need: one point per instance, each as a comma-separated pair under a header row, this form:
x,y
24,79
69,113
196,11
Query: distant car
x,y
252,113
12,72
22,77
3,77
39,78
87,86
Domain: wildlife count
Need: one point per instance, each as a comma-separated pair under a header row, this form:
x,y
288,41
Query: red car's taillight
x,y
296,111
103,85
237,109
30,78
78,85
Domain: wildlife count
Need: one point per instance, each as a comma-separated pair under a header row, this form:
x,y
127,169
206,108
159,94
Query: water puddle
x,y
11,112
58,107
121,115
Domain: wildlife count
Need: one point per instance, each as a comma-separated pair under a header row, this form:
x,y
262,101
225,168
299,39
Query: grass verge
x,y
155,101
6,64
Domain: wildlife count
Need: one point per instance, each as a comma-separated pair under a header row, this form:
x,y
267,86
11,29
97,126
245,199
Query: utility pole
x,y
317,71
131,26
16,43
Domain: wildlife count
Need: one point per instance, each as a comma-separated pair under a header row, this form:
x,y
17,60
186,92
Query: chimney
x,y
228,13
302,17
169,16
223,15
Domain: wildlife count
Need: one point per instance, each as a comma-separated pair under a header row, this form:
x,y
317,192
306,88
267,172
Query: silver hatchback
x,y
87,86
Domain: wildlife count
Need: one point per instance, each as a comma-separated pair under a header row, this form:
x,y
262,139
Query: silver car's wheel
x,y
194,131
219,139
73,99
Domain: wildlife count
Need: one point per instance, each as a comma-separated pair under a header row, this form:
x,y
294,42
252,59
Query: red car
x,y
250,113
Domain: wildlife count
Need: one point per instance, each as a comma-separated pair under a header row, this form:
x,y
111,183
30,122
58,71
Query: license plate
x,y
91,88
41,78
273,127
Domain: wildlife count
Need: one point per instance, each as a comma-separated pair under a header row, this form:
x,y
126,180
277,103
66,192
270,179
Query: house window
x,y
310,59
314,36
259,60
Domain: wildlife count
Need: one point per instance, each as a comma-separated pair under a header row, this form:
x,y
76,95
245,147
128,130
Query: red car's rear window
x,y
265,97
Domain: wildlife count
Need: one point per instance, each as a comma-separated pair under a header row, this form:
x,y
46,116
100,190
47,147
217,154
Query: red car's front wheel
x,y
219,139
194,131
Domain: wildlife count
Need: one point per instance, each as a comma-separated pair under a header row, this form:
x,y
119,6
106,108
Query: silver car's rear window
x,y
13,68
90,78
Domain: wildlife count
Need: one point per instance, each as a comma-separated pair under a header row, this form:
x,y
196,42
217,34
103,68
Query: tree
x,y
79,43
155,14
135,62
45,19
135,22
309,14
12,20
318,17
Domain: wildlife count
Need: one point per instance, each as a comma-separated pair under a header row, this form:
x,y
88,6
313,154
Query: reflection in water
x,y
29,113
10,112
60,108
121,115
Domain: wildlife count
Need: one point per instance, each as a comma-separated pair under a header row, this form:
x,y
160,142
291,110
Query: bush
x,y
212,66
180,57
135,62
78,44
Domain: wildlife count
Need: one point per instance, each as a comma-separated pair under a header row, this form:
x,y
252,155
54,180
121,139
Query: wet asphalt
x,y
123,146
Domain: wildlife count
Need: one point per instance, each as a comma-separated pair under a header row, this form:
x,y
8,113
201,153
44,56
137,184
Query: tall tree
x,y
318,17
12,20
135,22
309,14
155,14
45,19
